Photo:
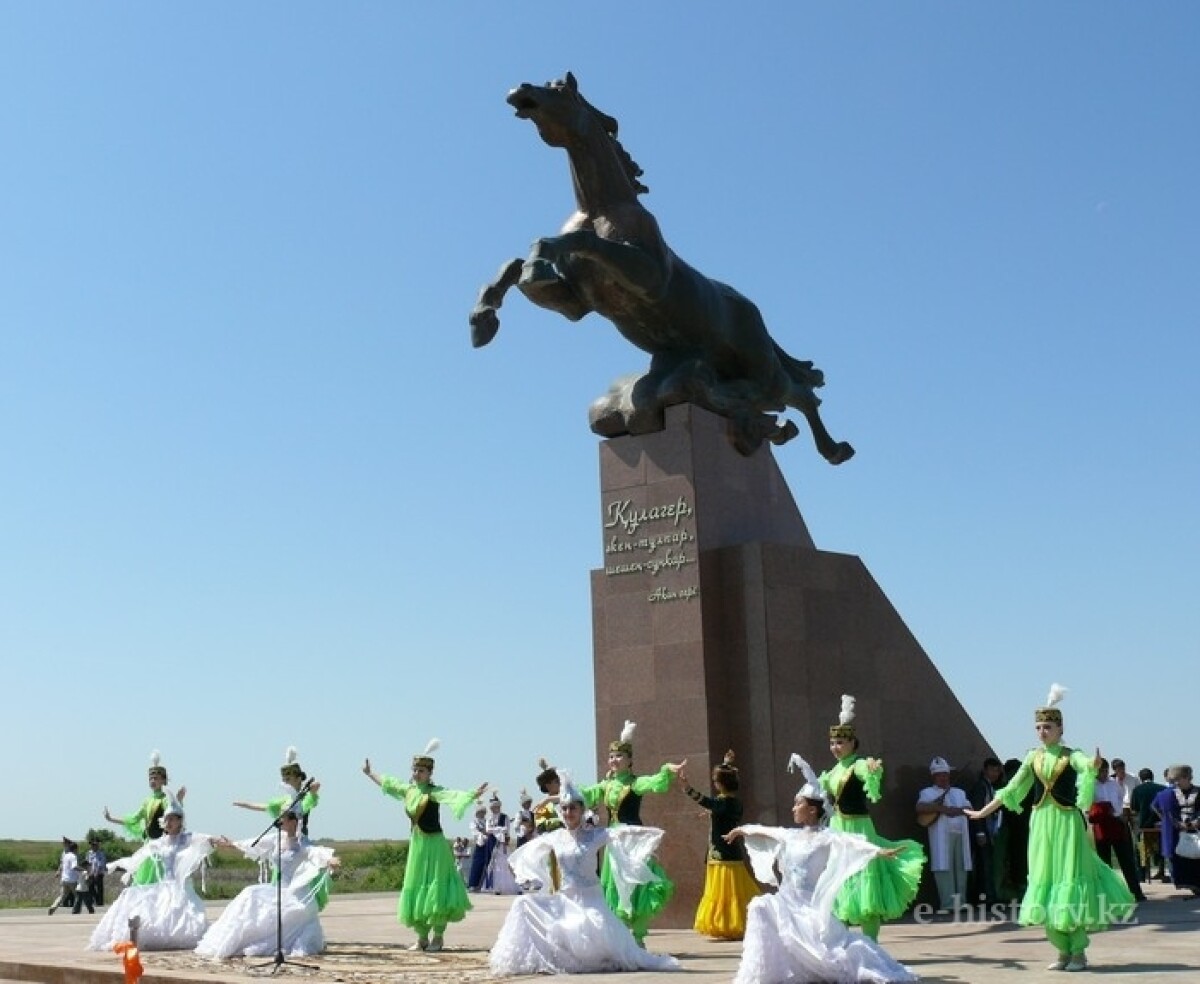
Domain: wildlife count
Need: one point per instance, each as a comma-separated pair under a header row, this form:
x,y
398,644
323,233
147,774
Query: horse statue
x,y
707,343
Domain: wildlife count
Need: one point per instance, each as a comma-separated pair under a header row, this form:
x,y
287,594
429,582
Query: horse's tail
x,y
801,373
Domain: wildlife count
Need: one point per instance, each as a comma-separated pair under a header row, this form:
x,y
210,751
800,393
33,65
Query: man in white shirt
x,y
1127,783
940,810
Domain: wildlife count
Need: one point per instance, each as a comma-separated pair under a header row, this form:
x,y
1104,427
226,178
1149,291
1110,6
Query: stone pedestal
x,y
718,624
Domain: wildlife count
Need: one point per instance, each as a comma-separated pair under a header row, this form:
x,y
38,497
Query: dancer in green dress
x,y
295,779
621,793
434,893
146,823
888,884
1070,891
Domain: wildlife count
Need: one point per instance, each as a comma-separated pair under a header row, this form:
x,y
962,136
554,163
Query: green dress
x,y
434,893
1070,888
277,804
622,795
146,825
885,888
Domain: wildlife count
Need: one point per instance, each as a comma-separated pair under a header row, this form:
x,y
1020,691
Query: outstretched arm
x,y
370,773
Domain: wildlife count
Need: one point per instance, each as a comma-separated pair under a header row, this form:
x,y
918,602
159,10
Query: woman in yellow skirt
x,y
728,887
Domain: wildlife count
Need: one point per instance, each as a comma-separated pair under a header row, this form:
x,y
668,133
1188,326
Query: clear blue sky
x,y
258,490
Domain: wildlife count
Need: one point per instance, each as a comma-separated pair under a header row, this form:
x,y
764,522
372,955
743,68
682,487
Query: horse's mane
x,y
632,170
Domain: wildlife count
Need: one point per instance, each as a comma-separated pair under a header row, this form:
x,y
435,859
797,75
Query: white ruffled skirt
x,y
787,943
249,927
557,934
172,918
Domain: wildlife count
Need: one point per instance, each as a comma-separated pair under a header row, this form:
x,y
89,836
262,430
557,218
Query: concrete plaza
x,y
366,946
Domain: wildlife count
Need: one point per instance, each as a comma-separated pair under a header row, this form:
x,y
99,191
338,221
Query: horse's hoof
x,y
785,433
842,451
484,325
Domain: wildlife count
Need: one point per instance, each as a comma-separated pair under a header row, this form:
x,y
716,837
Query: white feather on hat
x,y
1057,693
846,714
628,730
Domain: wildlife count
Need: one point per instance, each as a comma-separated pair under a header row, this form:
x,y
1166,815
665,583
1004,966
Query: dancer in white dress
x,y
171,913
499,879
250,924
793,936
573,931
500,872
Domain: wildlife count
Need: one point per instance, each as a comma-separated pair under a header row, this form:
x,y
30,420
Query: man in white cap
x,y
940,810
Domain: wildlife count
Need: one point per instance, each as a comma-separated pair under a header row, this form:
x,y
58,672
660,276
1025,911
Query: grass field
x,y
29,870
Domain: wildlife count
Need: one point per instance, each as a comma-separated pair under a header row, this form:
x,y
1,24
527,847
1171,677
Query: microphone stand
x,y
279,959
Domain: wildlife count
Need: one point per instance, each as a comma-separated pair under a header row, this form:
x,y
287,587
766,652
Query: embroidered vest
x,y
851,799
428,818
629,808
1063,782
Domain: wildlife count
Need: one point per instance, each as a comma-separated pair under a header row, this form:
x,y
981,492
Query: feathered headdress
x,y
568,792
425,759
1051,712
291,764
845,726
156,766
174,807
624,744
811,790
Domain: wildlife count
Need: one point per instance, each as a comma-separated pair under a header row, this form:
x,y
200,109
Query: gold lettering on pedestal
x,y
634,546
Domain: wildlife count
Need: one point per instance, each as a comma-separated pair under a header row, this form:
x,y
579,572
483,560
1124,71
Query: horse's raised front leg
x,y
542,281
484,320
631,267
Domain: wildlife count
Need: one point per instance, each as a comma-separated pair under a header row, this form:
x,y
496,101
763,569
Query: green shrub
x,y
10,863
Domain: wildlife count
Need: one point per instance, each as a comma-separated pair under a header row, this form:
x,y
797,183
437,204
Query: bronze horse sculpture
x,y
708,344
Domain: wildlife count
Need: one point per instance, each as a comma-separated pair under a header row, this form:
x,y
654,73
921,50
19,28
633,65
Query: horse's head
x,y
565,119
562,116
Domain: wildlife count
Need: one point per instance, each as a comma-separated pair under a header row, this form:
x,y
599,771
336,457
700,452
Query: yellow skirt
x,y
728,889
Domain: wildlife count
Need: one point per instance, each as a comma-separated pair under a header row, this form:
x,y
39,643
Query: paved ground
x,y
366,946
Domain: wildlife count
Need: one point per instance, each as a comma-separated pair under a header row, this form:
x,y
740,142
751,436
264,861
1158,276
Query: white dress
x,y
249,925
171,912
572,931
793,936
501,876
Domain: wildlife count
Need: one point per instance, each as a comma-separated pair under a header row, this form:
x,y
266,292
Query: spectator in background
x,y
83,891
525,829
97,863
1013,841
1147,831
68,875
1127,783
984,833
462,856
940,809
1111,832
1179,809
480,851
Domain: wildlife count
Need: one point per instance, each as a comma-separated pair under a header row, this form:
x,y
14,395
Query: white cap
x,y
938,765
